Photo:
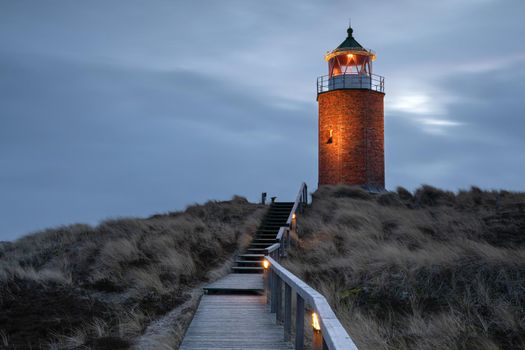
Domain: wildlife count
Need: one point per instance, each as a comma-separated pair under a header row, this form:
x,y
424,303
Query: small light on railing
x,y
266,264
293,216
315,322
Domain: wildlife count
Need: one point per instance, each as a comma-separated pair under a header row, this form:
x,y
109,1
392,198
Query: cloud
x,y
133,107
104,141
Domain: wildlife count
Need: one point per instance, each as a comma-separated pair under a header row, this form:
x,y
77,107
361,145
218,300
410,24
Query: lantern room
x,y
350,67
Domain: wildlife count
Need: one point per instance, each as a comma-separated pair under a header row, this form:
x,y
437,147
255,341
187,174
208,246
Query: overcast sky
x,y
132,107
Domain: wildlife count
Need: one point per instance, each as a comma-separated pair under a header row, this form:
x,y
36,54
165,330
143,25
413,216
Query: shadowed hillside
x,y
429,270
99,287
424,270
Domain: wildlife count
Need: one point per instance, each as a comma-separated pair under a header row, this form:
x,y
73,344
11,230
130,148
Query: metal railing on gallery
x,y
349,81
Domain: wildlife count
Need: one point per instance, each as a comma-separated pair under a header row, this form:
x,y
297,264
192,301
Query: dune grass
x,y
99,287
425,270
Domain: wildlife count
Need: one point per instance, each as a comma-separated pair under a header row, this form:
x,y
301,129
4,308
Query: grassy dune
x,y
99,287
423,270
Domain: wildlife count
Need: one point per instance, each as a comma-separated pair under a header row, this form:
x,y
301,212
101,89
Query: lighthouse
x,y
351,118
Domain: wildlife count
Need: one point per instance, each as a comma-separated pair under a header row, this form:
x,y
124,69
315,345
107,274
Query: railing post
x,y
287,312
287,241
265,284
318,341
278,302
305,194
269,291
273,304
299,323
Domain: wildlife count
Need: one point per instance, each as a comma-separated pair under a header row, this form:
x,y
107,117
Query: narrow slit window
x,y
330,136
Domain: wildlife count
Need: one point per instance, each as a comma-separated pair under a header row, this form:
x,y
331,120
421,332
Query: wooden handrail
x,y
300,200
332,335
281,232
272,248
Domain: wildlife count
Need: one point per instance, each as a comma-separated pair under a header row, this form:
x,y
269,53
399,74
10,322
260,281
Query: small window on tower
x,y
330,136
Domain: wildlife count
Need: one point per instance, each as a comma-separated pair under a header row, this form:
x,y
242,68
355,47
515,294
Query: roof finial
x,y
350,31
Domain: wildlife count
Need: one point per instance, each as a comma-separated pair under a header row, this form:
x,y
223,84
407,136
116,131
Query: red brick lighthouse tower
x,y
351,119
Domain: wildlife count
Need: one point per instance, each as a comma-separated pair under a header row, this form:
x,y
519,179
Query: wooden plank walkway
x,y
234,321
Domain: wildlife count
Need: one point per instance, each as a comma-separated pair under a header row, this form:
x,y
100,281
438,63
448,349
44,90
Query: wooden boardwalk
x,y
234,321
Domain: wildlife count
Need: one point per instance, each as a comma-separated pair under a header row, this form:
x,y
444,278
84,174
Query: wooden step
x,y
254,257
256,250
236,283
248,262
263,245
247,269
251,262
273,223
268,235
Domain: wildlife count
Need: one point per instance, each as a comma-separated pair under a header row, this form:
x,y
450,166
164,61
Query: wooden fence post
x,y
265,285
299,323
287,312
273,304
269,291
279,303
317,341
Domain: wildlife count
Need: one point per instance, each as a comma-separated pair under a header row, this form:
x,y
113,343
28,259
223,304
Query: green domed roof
x,y
350,43
350,46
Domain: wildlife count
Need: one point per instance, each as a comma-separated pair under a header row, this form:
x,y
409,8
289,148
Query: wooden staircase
x,y
251,260
235,314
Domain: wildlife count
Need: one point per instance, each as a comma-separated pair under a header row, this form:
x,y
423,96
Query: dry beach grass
x,y
99,287
429,270
424,270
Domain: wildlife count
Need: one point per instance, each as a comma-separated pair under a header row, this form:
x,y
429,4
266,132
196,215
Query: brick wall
x,y
355,153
